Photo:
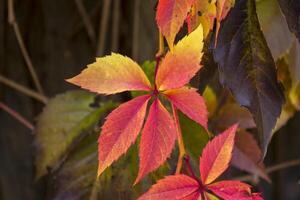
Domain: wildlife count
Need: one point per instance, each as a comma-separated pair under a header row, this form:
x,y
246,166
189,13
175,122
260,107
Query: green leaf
x,y
194,136
291,10
63,122
149,69
247,68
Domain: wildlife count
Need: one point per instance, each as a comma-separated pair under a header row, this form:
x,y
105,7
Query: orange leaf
x,y
190,103
158,139
120,130
181,64
112,74
170,17
217,155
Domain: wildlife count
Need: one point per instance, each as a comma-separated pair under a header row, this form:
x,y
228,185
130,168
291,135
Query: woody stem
x,y
180,140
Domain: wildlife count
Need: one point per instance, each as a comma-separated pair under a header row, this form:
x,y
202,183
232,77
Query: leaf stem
x,y
182,151
17,116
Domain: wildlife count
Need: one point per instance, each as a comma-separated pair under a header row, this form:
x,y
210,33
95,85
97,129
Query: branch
x,y
23,89
136,27
271,169
13,22
17,116
115,26
102,29
86,20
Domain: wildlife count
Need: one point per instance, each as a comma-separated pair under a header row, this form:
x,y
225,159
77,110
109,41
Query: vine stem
x,y
17,116
13,22
182,151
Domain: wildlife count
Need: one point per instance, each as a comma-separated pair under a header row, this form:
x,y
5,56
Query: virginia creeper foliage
x,y
116,73
214,161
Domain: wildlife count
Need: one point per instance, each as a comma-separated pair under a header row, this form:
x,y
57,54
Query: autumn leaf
x,y
214,161
116,73
217,155
170,17
158,139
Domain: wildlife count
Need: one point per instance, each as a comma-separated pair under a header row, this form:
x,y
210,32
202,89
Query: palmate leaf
x,y
247,68
64,120
291,10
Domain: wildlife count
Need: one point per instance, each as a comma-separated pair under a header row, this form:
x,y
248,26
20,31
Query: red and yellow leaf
x,y
170,17
231,190
112,74
181,64
172,187
217,155
190,103
157,141
120,130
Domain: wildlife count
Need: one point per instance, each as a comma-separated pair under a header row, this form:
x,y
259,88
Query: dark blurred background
x,y
61,42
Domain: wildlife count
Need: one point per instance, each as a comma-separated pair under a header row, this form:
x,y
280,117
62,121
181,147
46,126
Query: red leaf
x,y
120,130
112,74
217,155
172,187
247,155
181,64
158,139
231,190
190,103
257,196
170,17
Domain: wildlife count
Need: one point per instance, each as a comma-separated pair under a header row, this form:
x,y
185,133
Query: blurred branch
x,y
102,29
136,27
115,26
13,22
16,115
271,169
86,20
23,89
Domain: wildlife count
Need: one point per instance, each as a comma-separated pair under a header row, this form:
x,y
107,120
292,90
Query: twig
x,y
13,22
102,29
182,151
136,27
271,169
23,89
86,20
115,26
16,115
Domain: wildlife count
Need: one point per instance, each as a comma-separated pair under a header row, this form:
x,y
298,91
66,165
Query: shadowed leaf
x,y
247,68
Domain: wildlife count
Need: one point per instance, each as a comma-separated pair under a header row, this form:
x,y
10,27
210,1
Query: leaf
x,y
216,155
210,100
157,141
172,187
170,17
120,130
64,120
112,74
190,103
291,10
76,179
231,190
247,155
194,136
203,12
181,64
247,68
223,7
274,27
